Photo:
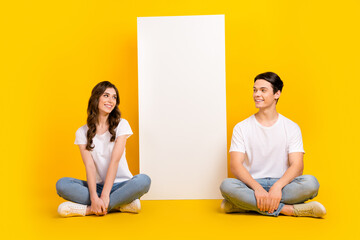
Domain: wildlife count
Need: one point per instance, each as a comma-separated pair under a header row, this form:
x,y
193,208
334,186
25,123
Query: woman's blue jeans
x,y
299,190
122,193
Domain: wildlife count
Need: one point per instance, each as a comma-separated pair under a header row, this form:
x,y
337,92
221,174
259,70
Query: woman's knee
x,y
143,180
61,184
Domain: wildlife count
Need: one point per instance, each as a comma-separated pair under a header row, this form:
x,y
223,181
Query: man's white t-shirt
x,y
102,151
266,148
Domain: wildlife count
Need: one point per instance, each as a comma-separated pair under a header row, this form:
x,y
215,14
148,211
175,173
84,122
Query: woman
x,y
109,185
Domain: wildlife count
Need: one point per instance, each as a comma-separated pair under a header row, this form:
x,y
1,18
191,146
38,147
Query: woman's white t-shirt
x,y
266,148
102,151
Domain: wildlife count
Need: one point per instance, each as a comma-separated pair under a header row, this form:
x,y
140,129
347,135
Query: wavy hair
x,y
93,113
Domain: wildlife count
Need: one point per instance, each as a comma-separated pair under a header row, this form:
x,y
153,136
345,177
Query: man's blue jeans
x,y
76,190
299,190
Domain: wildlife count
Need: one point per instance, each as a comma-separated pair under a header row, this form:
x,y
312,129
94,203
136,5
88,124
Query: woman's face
x,y
107,101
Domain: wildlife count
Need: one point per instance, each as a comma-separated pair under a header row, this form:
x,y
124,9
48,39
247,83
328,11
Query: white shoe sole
x,y
133,207
71,209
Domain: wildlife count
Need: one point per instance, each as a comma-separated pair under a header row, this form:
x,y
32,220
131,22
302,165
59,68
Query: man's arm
x,y
296,166
241,173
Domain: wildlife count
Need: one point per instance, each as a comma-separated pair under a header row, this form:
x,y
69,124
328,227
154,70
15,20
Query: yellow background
x,y
54,52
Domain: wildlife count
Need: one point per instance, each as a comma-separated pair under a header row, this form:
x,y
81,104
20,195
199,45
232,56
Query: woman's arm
x,y
97,205
241,173
116,154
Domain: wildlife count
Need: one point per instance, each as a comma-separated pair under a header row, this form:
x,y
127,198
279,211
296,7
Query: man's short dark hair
x,y
272,78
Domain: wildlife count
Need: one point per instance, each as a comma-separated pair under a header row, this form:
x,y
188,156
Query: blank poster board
x,y
182,105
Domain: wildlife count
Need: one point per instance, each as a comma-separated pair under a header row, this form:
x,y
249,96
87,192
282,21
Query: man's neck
x,y
267,117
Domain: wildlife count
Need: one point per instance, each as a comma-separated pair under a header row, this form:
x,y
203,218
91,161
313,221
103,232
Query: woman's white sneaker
x,y
71,209
133,207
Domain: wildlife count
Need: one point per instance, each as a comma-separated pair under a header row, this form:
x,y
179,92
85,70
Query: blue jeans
x,y
122,193
299,190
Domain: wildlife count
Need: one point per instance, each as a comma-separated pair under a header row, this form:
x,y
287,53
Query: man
x,y
266,157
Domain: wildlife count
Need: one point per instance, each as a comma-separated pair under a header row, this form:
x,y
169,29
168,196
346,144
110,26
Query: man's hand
x,y
98,206
261,196
274,198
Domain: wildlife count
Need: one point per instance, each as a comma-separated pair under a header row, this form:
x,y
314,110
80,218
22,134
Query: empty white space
x,y
182,105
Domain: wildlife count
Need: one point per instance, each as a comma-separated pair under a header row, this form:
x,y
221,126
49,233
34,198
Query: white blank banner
x,y
182,105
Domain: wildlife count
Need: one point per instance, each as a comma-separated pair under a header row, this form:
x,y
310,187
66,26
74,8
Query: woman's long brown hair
x,y
93,112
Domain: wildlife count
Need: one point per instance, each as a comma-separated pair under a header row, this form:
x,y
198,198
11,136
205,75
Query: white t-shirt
x,y
102,151
266,148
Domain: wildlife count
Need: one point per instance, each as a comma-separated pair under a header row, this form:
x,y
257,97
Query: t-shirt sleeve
x,y
295,140
237,141
80,136
123,129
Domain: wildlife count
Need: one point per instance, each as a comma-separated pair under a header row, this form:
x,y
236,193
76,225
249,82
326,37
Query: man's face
x,y
263,94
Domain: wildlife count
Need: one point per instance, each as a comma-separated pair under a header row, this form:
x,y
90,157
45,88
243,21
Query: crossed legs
x,y
77,191
299,190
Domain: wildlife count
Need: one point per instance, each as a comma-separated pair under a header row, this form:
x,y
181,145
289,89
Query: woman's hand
x,y
106,200
98,206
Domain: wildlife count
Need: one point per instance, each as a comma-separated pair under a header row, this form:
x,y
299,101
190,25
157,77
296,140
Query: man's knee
x,y
227,186
311,185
